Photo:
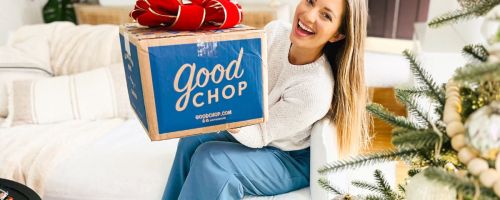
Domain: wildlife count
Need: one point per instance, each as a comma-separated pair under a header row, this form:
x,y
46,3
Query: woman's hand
x,y
233,130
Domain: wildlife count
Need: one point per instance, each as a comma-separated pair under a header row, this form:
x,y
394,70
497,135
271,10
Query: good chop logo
x,y
199,78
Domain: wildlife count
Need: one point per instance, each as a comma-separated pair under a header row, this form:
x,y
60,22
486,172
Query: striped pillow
x,y
97,94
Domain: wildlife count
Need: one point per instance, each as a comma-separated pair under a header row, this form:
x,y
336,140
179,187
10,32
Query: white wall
x,y
290,3
450,38
15,13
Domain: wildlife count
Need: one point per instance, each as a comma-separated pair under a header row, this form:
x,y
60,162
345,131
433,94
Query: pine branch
x,y
478,72
401,188
383,185
481,8
398,131
397,121
325,184
365,185
424,78
370,159
374,197
416,139
463,185
476,52
413,172
413,108
415,92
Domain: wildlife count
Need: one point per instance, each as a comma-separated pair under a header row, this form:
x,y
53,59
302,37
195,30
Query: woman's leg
x,y
180,167
228,170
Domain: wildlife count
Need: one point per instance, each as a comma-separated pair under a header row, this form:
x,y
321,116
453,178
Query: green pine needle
x,y
325,184
462,185
481,8
396,121
365,185
415,92
383,185
425,139
374,197
424,78
412,106
401,188
476,52
413,172
478,72
367,160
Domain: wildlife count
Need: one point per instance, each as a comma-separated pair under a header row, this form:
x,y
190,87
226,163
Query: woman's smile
x,y
302,30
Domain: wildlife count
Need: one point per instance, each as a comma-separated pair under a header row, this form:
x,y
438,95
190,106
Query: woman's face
x,y
317,22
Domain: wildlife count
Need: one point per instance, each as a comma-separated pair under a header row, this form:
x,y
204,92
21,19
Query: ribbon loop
x,y
200,14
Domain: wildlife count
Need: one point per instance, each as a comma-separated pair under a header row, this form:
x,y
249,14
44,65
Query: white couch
x,y
113,158
124,164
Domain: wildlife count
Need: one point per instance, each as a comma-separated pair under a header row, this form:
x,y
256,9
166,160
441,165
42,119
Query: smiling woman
x,y
322,48
315,23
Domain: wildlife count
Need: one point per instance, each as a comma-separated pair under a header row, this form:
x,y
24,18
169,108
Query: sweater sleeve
x,y
299,107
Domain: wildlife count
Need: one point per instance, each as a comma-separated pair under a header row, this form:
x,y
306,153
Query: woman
x,y
323,48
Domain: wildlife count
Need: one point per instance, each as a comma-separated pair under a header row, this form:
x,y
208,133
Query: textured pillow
x,y
18,64
92,95
7,76
69,48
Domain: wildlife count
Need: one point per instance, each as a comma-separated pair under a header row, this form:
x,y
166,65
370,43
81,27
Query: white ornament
x,y
419,187
483,130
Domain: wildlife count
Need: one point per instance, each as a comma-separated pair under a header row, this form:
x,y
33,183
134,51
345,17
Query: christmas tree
x,y
461,161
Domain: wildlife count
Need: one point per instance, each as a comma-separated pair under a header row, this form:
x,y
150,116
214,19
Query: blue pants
x,y
216,166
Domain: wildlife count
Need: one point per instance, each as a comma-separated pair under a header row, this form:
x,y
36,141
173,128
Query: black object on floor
x,y
16,191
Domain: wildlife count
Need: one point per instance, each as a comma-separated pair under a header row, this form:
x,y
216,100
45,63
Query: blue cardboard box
x,y
187,83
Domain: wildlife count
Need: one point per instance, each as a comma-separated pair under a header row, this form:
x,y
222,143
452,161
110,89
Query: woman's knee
x,y
213,152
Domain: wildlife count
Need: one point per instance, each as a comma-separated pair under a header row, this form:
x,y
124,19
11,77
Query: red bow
x,y
200,14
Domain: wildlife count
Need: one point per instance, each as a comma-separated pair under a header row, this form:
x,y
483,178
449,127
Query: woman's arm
x,y
299,107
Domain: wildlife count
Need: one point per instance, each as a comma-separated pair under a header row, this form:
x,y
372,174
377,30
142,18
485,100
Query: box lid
x,y
138,32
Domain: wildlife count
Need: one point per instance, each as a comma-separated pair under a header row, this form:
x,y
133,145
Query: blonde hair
x,y
346,57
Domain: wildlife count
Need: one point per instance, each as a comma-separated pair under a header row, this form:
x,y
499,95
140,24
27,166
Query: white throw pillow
x,y
92,95
16,64
69,49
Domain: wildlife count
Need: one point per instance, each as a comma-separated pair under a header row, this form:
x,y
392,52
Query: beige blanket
x,y
28,153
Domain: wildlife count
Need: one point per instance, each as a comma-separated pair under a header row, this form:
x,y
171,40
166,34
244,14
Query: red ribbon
x,y
200,14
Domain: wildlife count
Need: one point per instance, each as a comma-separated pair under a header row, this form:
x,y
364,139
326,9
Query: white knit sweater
x,y
299,95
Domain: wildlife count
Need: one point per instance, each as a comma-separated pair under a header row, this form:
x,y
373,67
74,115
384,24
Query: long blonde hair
x,y
346,57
